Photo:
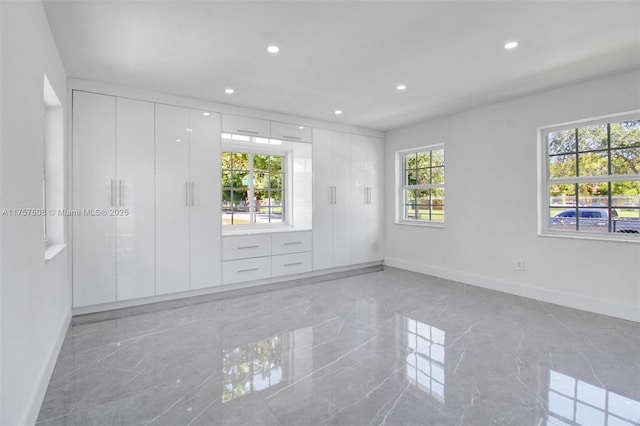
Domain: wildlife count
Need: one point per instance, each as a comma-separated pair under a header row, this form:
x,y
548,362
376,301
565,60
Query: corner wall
x,y
491,204
36,295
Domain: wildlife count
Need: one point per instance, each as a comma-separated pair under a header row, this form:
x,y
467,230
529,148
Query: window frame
x,y
253,148
402,186
545,181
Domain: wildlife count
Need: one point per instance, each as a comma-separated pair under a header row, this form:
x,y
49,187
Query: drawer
x,y
290,242
290,132
245,126
246,246
288,264
235,271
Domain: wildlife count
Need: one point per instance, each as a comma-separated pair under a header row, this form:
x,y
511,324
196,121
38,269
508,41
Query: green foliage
x,y
591,146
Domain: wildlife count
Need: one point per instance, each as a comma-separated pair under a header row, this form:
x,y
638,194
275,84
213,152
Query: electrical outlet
x,y
520,265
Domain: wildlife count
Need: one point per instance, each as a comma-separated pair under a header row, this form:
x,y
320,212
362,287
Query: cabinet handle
x,y
249,270
366,195
331,195
193,193
248,247
120,197
247,131
369,195
113,183
292,264
292,243
335,195
291,137
186,194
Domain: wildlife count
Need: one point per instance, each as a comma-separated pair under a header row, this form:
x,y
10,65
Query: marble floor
x,y
389,347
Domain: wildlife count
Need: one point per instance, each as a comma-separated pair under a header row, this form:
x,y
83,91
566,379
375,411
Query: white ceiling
x,y
347,55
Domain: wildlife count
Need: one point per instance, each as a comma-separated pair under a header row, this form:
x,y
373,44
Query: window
x,y
253,188
592,178
52,172
422,185
425,358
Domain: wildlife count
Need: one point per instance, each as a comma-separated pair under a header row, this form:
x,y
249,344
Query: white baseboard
x,y
616,309
38,393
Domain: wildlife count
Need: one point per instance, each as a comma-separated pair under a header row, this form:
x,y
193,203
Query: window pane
x,y
625,134
260,180
261,201
275,181
593,200
562,166
625,161
240,178
410,161
437,175
411,177
437,158
424,159
261,162
424,176
593,164
563,141
226,179
226,160
240,161
593,137
276,164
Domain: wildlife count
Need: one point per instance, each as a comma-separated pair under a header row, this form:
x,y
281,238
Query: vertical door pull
x,y
186,194
331,195
120,196
193,193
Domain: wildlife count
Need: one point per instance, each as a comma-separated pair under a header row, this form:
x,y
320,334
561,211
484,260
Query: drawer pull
x,y
247,131
292,264
292,137
249,270
291,243
248,247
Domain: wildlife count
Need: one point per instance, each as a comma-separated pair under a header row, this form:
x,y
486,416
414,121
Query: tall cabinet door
x,y
322,199
135,224
94,187
360,169
205,199
376,204
172,199
343,199
332,199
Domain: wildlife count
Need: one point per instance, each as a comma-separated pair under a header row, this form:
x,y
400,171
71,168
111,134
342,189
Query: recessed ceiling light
x,y
511,45
229,91
337,112
273,49
189,130
206,114
300,127
178,140
401,87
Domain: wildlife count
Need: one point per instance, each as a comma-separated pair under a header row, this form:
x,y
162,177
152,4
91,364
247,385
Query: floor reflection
x,y
575,402
266,363
424,362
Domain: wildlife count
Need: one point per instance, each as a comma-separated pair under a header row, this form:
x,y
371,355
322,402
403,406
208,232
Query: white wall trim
x,y
625,311
44,377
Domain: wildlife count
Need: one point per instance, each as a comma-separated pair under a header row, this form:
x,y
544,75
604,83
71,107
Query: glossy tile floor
x,y
389,347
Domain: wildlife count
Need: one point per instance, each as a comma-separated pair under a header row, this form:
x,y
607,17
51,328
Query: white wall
x,y
36,296
488,229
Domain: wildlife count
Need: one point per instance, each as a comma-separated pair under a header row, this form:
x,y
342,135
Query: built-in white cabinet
x,y
332,199
187,199
367,183
246,126
258,256
347,209
290,132
113,180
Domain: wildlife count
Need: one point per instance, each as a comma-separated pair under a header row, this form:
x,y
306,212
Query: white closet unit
x,y
187,199
332,199
367,182
246,126
113,231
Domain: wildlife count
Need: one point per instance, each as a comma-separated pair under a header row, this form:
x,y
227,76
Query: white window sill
x,y
620,238
52,251
439,225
